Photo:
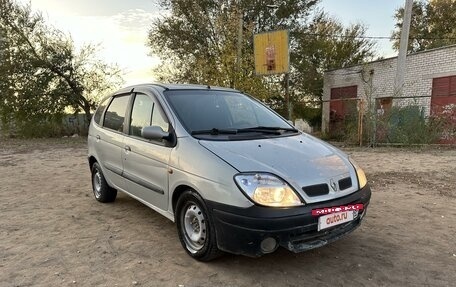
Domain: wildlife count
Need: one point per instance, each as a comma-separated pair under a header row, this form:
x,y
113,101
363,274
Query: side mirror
x,y
154,133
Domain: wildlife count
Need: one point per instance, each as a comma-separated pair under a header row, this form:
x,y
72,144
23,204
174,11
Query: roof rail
x,y
156,84
161,86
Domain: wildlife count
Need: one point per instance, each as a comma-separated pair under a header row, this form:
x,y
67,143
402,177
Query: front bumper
x,y
241,230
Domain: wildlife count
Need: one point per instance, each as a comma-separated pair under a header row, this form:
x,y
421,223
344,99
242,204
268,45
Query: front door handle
x,y
127,148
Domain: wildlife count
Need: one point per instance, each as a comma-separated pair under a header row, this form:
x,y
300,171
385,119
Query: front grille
x,y
345,183
316,190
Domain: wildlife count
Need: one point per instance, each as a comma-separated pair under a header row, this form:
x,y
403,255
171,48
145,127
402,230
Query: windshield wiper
x,y
274,130
259,129
215,132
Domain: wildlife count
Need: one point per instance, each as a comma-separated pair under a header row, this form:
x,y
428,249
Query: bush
x,y
408,125
400,125
345,128
310,114
44,127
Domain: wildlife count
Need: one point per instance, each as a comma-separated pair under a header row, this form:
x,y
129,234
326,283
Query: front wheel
x,y
195,227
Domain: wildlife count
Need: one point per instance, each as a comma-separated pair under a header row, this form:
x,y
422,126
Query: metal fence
x,y
390,120
395,120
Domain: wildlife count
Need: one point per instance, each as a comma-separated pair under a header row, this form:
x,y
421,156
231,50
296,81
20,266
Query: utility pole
x,y
274,7
403,44
287,96
239,45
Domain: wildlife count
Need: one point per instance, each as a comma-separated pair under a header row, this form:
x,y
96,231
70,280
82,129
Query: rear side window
x,y
100,110
146,112
115,115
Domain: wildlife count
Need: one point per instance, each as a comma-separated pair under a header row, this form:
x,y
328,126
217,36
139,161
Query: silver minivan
x,y
230,172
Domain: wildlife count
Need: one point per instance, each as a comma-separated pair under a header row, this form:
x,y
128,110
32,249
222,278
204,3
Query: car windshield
x,y
224,113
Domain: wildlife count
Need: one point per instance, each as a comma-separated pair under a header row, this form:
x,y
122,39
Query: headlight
x,y
362,180
267,189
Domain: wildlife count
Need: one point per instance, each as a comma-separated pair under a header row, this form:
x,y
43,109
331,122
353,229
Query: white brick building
x,y
429,74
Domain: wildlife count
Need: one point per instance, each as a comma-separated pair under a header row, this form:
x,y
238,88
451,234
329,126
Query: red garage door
x,y
340,106
443,105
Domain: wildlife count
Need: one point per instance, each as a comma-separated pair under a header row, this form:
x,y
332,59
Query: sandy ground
x,y
53,233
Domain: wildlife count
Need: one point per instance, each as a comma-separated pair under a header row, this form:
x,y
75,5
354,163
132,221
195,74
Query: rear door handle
x,y
127,148
98,137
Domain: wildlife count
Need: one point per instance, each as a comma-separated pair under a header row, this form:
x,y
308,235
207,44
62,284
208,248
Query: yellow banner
x,y
271,52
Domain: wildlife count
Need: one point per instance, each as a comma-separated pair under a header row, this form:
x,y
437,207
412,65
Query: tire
x,y
101,190
195,227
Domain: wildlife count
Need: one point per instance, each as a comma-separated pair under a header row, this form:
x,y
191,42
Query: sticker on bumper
x,y
329,210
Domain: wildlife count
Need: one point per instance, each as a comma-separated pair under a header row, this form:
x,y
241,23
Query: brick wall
x,y
421,68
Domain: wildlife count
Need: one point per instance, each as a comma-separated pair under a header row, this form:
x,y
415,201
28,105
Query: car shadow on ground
x,y
352,253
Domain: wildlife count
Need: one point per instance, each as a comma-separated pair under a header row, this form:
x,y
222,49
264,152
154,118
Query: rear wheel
x,y
195,227
101,190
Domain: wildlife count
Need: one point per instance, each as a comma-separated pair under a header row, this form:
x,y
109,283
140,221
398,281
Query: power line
x,y
376,37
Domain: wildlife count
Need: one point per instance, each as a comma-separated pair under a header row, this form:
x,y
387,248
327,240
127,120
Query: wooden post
x,y
360,122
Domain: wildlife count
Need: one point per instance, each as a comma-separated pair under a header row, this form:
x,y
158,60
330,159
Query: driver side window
x,y
146,112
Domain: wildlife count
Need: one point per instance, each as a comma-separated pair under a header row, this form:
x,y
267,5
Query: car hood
x,y
301,160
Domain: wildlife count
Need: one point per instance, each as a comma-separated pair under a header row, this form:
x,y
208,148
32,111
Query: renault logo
x,y
333,185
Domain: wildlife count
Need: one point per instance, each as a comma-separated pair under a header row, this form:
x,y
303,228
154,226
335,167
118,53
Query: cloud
x,y
135,19
93,8
122,36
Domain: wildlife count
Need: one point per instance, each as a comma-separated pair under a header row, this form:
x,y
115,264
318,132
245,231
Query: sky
x,y
120,27
376,15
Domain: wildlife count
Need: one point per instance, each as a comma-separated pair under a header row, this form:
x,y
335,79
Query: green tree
x,y
42,72
432,25
197,41
322,45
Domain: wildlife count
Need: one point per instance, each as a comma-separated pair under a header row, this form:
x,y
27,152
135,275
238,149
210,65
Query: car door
x,y
109,140
146,161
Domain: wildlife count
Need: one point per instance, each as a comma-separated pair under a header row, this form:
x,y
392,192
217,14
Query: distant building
x,y
430,82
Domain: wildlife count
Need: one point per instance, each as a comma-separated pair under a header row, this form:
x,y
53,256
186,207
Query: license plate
x,y
337,218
